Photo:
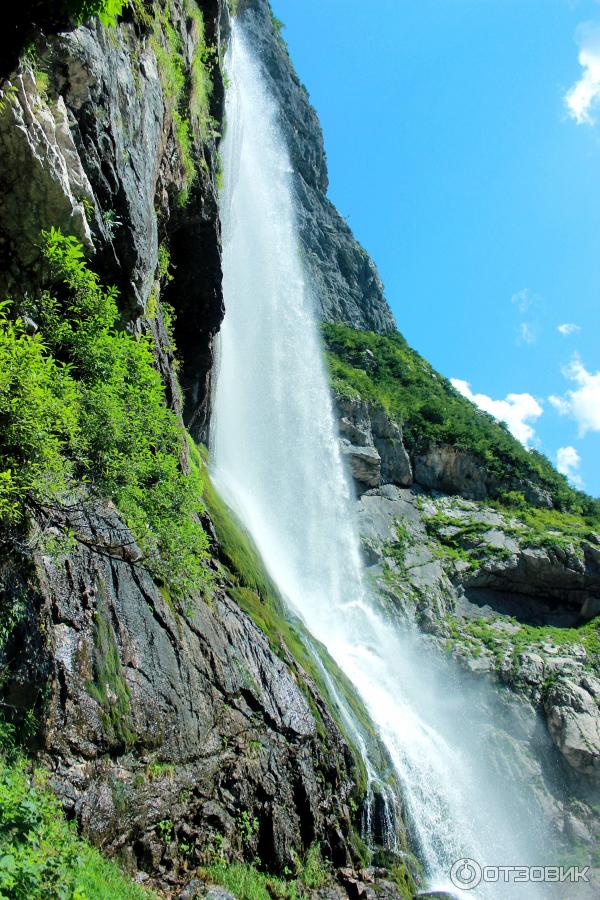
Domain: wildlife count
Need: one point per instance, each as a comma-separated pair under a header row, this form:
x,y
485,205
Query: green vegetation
x,y
158,770
246,882
247,826
81,403
41,855
384,370
188,96
519,637
548,527
464,538
108,686
107,11
165,267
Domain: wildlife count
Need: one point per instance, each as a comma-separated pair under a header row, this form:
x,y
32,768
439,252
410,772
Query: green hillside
x,y
385,370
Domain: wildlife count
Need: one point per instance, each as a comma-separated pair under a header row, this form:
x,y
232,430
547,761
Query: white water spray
x,y
277,462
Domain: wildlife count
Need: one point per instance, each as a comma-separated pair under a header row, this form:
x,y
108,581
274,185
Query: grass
x,y
41,855
432,411
525,637
246,882
551,529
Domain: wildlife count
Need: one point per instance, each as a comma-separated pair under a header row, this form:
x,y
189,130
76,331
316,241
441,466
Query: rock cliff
x,y
178,732
184,731
498,580
347,286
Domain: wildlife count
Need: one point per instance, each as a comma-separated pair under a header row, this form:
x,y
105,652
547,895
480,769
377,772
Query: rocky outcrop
x,y
347,287
42,173
96,153
504,602
169,727
455,471
372,444
573,711
176,734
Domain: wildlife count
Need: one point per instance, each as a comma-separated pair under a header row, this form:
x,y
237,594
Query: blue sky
x,y
463,149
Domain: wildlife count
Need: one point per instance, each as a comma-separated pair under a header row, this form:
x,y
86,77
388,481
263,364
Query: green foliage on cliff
x,y
81,403
106,10
108,686
383,369
246,882
41,855
187,89
519,637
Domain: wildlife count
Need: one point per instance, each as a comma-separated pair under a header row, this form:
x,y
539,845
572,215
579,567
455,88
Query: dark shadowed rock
x,y
154,714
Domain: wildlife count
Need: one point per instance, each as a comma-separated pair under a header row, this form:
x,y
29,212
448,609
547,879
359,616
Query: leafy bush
x,y
81,402
385,370
41,855
106,10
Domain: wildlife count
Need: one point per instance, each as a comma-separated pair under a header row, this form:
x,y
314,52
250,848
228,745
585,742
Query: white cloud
x,y
582,403
527,333
568,328
515,410
522,300
568,462
585,93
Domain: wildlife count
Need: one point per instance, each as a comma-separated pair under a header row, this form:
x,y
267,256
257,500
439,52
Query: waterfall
x,y
276,460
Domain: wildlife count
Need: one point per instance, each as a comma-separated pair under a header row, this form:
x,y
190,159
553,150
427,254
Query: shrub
x,y
41,855
107,10
81,402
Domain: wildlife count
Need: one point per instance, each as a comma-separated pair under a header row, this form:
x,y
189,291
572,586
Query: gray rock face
x,y
364,463
98,157
469,577
573,711
155,715
454,471
372,444
346,284
445,468
43,181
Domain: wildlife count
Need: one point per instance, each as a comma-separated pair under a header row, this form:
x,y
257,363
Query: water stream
x,y
277,461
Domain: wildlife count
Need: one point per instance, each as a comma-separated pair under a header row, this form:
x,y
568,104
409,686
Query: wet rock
x,y
201,691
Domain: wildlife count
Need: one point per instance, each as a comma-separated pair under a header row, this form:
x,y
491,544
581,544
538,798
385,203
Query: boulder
x,y
573,716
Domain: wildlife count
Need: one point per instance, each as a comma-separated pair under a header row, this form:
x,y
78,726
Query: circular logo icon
x,y
465,874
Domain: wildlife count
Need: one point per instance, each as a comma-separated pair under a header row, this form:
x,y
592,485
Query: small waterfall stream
x,y
277,462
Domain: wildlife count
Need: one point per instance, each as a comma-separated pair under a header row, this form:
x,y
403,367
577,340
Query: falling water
x,y
277,462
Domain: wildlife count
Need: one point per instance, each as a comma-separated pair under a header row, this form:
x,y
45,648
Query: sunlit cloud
x,y
568,462
583,402
583,97
568,328
517,410
522,300
527,333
